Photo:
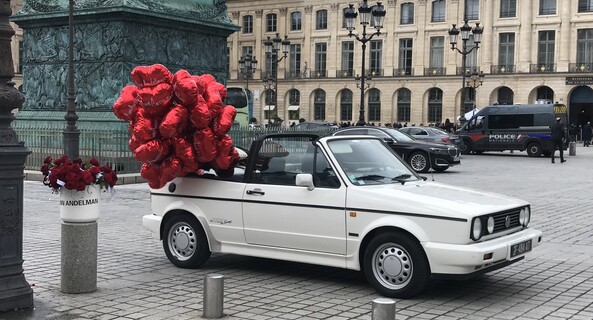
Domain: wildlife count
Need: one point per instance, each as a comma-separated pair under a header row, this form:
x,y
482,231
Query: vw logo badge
x,y
507,221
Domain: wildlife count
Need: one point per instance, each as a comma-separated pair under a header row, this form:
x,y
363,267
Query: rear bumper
x,y
153,224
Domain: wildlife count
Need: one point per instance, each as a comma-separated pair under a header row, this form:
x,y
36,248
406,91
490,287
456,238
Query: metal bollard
x,y
213,296
383,309
572,148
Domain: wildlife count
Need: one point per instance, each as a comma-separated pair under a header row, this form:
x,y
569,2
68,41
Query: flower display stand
x,y
79,211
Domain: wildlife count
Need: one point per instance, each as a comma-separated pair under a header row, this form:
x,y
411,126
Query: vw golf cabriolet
x,y
345,202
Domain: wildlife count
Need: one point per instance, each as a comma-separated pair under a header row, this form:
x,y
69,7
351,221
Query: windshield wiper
x,y
371,177
402,178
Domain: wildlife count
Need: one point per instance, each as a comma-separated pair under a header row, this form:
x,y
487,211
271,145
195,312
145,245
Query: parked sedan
x,y
434,134
421,155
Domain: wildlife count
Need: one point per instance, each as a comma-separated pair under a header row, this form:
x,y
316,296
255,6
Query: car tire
x,y
185,242
395,265
534,149
419,162
468,147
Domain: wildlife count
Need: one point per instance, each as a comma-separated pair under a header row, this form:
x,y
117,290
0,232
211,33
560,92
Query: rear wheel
x,y
395,265
185,242
419,162
534,149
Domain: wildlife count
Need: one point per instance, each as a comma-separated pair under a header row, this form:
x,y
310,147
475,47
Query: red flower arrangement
x,y
76,174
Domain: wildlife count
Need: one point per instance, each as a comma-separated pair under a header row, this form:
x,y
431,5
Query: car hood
x,y
430,198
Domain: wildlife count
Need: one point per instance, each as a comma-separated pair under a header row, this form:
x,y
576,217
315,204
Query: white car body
x,y
333,226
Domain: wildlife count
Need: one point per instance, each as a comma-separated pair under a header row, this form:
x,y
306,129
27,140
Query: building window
x,y
472,9
437,48
505,96
321,20
294,66
585,46
435,105
246,50
247,24
506,50
545,93
270,66
295,21
405,56
346,105
294,102
271,22
546,45
404,99
508,8
438,11
348,59
407,13
320,58
374,104
547,7
319,105
472,58
585,5
376,56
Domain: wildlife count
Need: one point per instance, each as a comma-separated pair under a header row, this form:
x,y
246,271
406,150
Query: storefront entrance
x,y
581,106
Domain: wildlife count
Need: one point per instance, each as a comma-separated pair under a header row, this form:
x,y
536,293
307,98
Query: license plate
x,y
520,248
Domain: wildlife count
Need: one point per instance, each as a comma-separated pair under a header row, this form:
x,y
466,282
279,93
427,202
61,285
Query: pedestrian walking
x,y
587,133
558,136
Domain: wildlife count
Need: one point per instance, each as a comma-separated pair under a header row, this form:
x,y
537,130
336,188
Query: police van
x,y
512,127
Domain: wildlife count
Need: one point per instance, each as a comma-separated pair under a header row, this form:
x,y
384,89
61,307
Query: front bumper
x,y
153,224
446,161
452,259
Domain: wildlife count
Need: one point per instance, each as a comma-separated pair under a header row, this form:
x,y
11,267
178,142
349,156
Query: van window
x,y
513,121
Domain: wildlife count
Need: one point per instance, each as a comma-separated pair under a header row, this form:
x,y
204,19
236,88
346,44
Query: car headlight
x,y
522,217
527,216
439,150
490,225
476,232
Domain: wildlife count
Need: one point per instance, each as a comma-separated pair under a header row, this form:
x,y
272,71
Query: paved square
x,y
136,281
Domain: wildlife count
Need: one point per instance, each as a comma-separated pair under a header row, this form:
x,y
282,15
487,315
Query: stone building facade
x,y
537,51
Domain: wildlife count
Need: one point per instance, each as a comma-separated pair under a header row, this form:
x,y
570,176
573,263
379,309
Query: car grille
x,y
500,220
453,152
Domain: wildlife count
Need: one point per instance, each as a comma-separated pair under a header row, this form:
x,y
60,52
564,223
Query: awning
x,y
293,108
269,108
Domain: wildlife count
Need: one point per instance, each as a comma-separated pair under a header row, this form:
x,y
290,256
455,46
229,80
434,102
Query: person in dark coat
x,y
558,136
587,134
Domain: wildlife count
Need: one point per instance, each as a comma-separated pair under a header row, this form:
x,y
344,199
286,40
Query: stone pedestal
x,y
79,257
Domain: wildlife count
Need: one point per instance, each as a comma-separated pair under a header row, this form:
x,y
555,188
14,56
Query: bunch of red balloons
x,y
178,124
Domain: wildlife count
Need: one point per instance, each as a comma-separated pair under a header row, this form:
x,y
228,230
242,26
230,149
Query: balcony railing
x,y
502,68
402,72
345,74
580,67
468,70
318,74
293,75
435,71
374,73
542,68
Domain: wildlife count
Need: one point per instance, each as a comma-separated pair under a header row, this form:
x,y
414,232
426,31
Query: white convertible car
x,y
346,202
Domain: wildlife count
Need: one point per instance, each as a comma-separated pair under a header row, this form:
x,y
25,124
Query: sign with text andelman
x,y
80,206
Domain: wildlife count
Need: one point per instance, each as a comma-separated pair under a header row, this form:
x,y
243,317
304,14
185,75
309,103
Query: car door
x,y
277,213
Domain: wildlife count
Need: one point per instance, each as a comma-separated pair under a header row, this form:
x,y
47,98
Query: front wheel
x,y
185,242
419,162
396,266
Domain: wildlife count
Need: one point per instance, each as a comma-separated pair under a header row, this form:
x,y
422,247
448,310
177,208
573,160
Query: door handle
x,y
256,191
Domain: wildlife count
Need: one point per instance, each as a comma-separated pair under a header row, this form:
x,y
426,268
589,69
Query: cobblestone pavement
x,y
136,281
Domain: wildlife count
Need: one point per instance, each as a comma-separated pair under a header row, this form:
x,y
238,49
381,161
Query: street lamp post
x,y
273,47
71,138
247,67
378,14
465,31
269,86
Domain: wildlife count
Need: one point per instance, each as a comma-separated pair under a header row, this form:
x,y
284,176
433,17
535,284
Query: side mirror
x,y
305,180
389,140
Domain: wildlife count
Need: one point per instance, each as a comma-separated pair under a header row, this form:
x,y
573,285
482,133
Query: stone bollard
x,y
572,148
79,257
213,296
383,309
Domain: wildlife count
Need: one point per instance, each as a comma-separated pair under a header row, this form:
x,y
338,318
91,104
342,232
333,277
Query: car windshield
x,y
370,162
398,135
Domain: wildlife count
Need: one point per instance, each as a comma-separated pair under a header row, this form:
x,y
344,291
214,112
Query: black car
x,y
415,152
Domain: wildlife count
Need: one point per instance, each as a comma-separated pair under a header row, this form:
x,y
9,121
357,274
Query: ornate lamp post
x,y
378,14
15,292
465,31
247,67
270,87
273,47
71,133
476,79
